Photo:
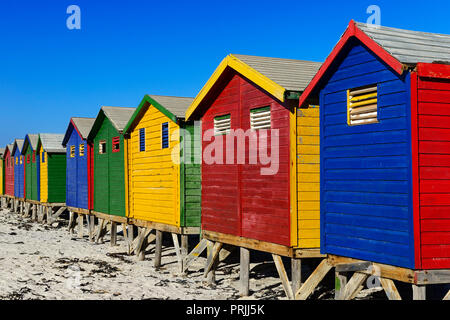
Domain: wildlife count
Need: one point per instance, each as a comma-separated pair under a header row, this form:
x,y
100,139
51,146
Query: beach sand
x,y
40,261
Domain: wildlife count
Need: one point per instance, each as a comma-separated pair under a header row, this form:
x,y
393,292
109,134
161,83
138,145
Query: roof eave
x,y
351,31
147,100
242,68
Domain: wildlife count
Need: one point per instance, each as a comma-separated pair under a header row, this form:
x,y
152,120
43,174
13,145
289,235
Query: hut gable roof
x,y
82,126
9,147
173,107
399,49
275,75
2,152
51,142
410,47
18,144
119,117
30,139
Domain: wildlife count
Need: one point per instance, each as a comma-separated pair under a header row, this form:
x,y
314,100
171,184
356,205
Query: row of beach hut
x,y
362,182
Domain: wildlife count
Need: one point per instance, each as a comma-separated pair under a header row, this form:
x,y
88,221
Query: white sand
x,y
44,262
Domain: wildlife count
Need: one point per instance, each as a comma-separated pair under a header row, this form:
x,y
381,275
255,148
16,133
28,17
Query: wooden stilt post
x,y
244,272
33,212
296,273
113,234
419,292
184,245
340,281
141,253
101,226
80,225
177,251
158,249
91,219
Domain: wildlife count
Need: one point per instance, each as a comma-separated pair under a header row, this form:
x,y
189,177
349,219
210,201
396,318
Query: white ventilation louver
x,y
222,124
362,105
260,118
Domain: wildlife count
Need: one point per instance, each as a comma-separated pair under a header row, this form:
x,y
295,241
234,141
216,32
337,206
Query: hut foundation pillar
x,y
158,249
296,273
244,289
113,234
339,284
80,225
419,292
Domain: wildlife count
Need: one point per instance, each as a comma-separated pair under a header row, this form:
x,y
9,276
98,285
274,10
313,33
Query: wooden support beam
x,y
158,249
194,254
244,272
57,214
130,238
141,241
296,274
80,226
353,267
354,286
419,292
340,281
283,276
100,230
311,283
113,234
227,249
141,252
177,251
390,289
212,257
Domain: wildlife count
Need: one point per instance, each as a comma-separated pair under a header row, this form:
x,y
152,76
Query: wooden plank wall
x,y
236,198
366,201
434,171
9,173
308,177
43,176
154,179
192,182
56,174
18,175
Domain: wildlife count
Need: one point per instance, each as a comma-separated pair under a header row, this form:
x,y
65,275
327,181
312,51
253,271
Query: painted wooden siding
x,y
434,171
31,181
236,198
366,193
191,215
308,177
43,177
2,174
109,173
9,173
154,179
56,177
18,174
77,173
72,171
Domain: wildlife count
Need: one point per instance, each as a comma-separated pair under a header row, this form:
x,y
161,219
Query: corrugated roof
x,y
176,105
52,142
293,75
119,116
410,47
84,125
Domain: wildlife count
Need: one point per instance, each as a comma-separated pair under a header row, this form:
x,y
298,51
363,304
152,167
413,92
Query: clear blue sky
x,y
126,49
